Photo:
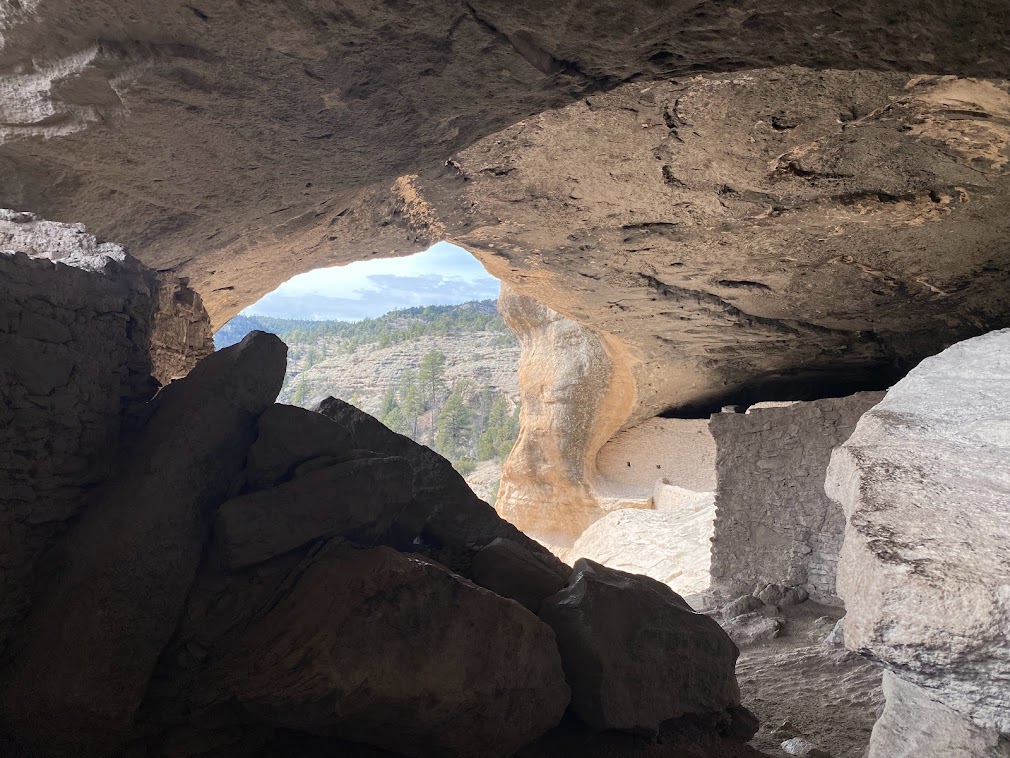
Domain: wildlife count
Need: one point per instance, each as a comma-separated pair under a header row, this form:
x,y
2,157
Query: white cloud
x,y
442,275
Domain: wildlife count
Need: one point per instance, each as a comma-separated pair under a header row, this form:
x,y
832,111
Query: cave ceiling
x,y
743,193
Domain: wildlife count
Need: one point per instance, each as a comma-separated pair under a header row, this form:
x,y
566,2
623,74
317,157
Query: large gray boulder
x,y
914,725
120,578
357,499
394,651
635,653
925,567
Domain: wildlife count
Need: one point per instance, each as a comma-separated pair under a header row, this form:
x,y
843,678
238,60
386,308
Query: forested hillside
x,y
444,375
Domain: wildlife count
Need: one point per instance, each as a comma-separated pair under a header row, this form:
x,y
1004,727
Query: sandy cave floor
x,y
829,694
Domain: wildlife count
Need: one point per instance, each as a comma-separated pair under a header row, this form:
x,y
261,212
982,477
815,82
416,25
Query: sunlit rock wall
x,y
576,392
774,524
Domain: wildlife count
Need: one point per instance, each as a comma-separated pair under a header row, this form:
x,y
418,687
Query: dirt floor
x,y
829,695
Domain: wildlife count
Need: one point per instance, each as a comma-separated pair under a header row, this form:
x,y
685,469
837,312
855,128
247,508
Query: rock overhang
x,y
812,213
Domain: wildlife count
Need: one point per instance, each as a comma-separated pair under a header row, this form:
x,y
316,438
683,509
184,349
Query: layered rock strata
x,y
925,566
773,522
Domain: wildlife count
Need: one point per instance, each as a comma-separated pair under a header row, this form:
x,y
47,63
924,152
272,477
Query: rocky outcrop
x,y
265,581
512,571
636,654
774,524
358,498
123,572
926,560
672,546
570,379
445,518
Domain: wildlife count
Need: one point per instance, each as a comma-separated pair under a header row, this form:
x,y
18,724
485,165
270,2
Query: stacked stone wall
x,y
86,333
774,523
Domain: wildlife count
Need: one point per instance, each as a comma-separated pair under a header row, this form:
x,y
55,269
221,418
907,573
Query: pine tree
x,y
389,403
453,428
411,407
301,393
431,376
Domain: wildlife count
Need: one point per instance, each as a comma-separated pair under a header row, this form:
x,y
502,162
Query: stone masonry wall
x,y
774,523
85,333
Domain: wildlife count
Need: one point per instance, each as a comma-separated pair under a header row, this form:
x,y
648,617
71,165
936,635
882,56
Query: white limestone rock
x,y
925,569
914,725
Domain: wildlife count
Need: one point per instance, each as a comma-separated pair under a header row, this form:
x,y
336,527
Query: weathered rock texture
x,y
384,648
672,546
914,725
737,233
635,653
925,566
85,331
575,393
773,523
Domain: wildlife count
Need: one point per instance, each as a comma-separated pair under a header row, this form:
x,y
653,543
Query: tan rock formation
x,y
575,391
672,546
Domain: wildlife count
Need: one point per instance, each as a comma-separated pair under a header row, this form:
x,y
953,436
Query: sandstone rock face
x,y
311,171
635,653
914,725
83,329
774,524
672,546
925,566
358,499
475,676
569,380
122,575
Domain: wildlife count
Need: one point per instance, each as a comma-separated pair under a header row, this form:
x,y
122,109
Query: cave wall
x,y
774,523
85,332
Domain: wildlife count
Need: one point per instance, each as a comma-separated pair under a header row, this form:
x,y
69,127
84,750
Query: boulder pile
x,y
262,580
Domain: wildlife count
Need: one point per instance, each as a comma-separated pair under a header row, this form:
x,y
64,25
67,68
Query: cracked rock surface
x,y
829,205
925,565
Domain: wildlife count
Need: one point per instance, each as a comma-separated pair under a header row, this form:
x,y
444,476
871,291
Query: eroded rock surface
x,y
914,725
575,393
672,546
925,566
86,333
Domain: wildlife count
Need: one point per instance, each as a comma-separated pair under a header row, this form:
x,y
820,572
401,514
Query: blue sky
x,y
442,275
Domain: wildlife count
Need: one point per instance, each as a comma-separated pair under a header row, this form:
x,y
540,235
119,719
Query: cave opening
x,y
417,342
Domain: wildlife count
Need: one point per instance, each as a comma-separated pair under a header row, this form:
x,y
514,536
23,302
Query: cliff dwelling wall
x,y
774,523
85,334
